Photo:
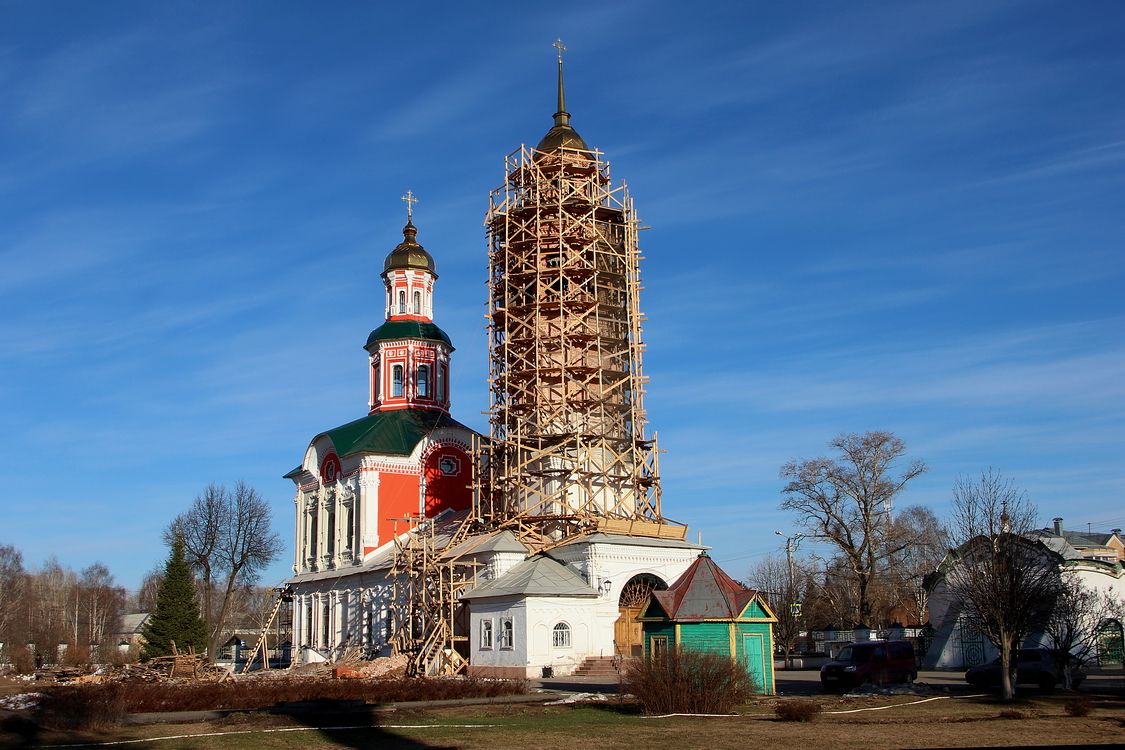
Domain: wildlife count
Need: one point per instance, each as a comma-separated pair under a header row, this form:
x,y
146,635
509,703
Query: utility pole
x,y
791,543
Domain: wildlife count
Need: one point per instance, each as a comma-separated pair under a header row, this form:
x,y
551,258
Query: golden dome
x,y
409,254
562,136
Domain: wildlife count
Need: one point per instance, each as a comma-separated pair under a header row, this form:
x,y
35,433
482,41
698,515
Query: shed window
x,y
396,381
486,634
507,634
560,635
659,646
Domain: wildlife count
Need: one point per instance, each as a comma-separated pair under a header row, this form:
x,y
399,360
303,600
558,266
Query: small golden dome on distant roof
x,y
409,254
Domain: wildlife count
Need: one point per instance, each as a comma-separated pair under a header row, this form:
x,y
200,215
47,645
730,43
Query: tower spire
x,y
562,117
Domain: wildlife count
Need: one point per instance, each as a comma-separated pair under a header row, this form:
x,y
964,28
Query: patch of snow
x,y
578,698
21,701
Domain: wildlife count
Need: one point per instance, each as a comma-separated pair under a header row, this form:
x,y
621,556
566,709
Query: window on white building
x,y
560,635
486,634
417,303
401,302
507,633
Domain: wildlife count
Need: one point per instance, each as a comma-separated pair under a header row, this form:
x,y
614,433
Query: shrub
x,y
1078,707
685,681
1010,714
797,710
139,696
83,707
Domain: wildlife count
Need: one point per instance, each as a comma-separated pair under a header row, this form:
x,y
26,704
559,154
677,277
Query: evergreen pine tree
x,y
176,617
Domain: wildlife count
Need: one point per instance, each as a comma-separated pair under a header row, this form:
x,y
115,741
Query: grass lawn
x,y
937,723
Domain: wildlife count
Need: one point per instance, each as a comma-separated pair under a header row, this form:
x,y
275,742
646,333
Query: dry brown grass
x,y
943,723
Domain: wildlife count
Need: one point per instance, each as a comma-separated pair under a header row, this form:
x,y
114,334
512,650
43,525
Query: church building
x,y
542,563
406,459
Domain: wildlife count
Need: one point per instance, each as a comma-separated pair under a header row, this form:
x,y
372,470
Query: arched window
x,y
424,381
507,633
443,383
396,381
401,301
440,381
486,634
417,303
560,635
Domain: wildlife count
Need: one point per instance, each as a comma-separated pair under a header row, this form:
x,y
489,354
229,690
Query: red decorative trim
x,y
330,469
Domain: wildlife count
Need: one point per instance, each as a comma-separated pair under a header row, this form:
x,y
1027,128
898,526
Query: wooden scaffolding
x,y
568,446
426,614
567,454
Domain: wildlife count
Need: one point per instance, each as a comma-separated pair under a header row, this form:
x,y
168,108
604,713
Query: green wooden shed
x,y
707,610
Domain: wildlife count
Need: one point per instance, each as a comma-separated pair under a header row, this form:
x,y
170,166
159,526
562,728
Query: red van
x,y
877,662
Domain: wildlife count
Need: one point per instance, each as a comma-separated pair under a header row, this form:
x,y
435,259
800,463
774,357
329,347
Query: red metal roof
x,y
704,592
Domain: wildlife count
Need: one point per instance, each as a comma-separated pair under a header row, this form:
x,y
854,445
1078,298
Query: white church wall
x,y
493,658
581,617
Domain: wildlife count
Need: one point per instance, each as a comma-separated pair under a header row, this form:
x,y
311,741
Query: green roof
x,y
396,431
408,329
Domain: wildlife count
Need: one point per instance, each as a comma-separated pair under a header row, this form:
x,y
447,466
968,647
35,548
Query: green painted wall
x,y
712,637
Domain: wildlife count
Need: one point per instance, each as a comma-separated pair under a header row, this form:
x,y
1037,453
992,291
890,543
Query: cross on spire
x,y
409,200
561,115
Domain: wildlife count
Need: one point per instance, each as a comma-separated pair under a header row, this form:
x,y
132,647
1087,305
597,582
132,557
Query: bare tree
x,y
228,539
907,569
101,602
782,588
145,600
848,501
1006,583
1074,626
13,583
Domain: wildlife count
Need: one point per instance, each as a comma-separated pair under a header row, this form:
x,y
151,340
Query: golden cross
x,y
560,47
409,200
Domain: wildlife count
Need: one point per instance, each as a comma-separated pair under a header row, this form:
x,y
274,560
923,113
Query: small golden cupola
x,y
409,273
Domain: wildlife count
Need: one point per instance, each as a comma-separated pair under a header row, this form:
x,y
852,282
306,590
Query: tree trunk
x,y
1007,676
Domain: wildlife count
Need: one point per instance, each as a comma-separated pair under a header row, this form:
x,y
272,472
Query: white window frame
x,y
560,635
424,385
507,634
398,380
487,641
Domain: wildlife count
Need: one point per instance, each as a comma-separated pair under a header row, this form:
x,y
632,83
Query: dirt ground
x,y
846,722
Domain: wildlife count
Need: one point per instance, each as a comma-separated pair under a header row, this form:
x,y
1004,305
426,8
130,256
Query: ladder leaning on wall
x,y
284,594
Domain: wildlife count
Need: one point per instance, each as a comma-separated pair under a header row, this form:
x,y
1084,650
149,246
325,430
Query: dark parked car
x,y
878,662
1034,666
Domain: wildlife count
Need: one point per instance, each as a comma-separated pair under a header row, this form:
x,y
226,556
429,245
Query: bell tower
x,y
408,355
568,449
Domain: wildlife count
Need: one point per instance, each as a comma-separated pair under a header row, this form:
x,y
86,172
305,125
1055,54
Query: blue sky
x,y
900,216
